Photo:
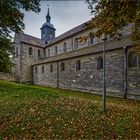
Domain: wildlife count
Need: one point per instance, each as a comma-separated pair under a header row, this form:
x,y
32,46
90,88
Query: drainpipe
x,y
104,74
125,72
57,74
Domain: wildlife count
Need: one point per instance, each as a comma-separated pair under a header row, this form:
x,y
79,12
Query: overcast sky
x,y
65,15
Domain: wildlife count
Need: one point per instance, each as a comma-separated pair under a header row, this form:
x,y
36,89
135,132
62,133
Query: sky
x,y
65,15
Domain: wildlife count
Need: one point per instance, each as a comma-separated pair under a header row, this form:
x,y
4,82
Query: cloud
x,y
65,15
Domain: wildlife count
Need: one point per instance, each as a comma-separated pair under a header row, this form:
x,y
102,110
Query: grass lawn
x,y
33,112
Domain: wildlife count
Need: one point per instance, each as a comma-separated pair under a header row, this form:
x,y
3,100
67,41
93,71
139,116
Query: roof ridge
x,y
31,36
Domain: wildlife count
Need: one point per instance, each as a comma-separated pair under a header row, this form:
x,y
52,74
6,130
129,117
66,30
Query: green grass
x,y
34,112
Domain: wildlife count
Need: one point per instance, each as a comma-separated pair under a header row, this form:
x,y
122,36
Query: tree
x,y
11,20
112,15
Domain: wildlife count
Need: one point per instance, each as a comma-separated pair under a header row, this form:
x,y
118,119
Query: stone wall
x,y
27,60
89,77
7,76
46,78
134,75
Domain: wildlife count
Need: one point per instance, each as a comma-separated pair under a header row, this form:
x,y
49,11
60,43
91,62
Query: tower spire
x,y
48,17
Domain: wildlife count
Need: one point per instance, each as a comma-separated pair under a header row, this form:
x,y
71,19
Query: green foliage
x,y
6,48
111,15
33,112
11,20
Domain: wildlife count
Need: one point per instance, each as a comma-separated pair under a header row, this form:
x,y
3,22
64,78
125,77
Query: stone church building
x,y
67,62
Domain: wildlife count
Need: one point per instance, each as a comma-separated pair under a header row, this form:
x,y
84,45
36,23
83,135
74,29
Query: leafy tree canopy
x,y
11,20
112,15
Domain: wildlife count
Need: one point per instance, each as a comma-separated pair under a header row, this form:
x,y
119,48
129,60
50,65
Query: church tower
x,y
47,29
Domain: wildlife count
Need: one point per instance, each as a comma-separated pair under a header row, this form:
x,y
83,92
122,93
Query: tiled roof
x,y
69,33
31,40
38,42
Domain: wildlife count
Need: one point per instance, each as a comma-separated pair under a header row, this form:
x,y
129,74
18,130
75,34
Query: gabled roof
x,y
68,33
28,39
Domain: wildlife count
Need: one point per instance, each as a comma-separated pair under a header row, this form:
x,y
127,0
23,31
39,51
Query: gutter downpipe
x,y
104,75
125,73
57,74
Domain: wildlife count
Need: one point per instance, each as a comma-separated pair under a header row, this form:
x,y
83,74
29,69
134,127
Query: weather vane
x,y
48,5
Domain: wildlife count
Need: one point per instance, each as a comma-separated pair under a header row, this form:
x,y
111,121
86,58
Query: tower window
x,y
38,53
62,66
78,65
100,62
51,68
65,47
56,50
48,52
132,59
30,51
42,69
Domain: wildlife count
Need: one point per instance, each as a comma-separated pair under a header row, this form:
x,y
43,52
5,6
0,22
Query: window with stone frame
x,y
48,52
56,50
76,43
65,47
91,38
100,62
132,59
78,65
30,51
39,53
62,66
43,69
35,69
51,68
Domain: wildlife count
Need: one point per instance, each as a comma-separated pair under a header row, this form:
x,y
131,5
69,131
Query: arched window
x,y
78,65
56,50
132,59
35,69
51,68
91,37
76,43
65,47
100,62
42,69
39,53
30,51
62,66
